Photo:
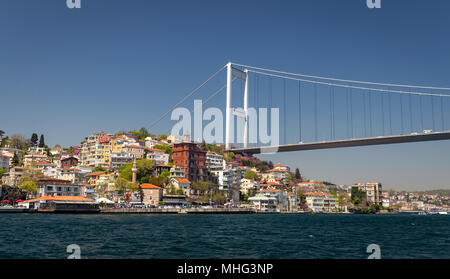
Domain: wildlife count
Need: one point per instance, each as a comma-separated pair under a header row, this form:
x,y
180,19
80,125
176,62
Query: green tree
x,y
123,186
251,175
41,141
29,187
179,192
165,177
166,148
143,133
2,172
31,172
297,174
2,133
219,198
156,181
144,168
18,141
358,196
301,197
162,137
34,139
100,169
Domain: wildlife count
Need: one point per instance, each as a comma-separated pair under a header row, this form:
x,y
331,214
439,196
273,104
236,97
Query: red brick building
x,y
192,160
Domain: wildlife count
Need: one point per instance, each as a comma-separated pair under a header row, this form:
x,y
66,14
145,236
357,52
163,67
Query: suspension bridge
x,y
323,112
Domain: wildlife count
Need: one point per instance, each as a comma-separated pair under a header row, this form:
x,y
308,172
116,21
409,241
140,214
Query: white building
x,y
321,202
214,161
263,203
120,159
56,188
48,169
70,174
248,184
160,157
151,142
225,178
373,191
36,150
4,162
282,168
177,172
183,184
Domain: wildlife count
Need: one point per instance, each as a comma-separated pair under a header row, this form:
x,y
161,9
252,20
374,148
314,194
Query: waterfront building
x,y
62,204
321,202
293,202
373,191
174,201
88,191
183,184
189,157
152,194
263,203
282,199
57,187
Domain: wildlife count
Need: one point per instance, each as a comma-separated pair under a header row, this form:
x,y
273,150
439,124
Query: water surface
x,y
224,236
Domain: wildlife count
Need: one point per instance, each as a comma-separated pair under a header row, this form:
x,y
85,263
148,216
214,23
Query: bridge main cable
x,y
187,96
343,80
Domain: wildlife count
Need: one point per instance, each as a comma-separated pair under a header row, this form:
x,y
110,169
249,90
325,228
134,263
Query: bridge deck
x,y
347,143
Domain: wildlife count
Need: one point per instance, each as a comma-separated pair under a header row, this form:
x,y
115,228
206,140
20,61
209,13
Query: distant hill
x,y
441,192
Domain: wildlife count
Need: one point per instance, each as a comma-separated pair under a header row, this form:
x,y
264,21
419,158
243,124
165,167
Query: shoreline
x,y
178,211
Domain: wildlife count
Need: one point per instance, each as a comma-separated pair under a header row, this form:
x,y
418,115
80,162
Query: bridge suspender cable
x,y
300,110
349,86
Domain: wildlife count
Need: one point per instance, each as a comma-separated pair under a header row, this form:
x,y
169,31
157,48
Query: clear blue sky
x,y
119,64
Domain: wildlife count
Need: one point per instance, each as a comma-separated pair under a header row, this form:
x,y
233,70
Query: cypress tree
x,y
15,160
41,141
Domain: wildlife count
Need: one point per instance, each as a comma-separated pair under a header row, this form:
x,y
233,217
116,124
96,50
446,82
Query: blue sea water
x,y
103,236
